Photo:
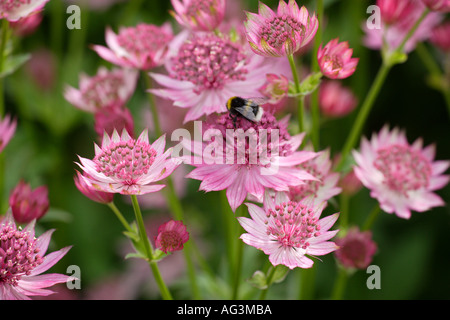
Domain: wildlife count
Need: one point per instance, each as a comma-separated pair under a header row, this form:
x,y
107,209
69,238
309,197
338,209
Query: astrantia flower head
x,y
393,11
438,5
199,15
248,160
322,189
113,118
206,70
276,88
128,166
289,231
105,89
356,249
27,204
171,236
401,176
142,47
23,259
440,36
7,130
13,10
335,100
281,33
335,60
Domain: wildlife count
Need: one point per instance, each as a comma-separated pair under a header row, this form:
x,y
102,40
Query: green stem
x,y
363,114
340,284
239,254
371,218
149,250
413,30
315,112
344,211
307,283
119,215
263,294
301,106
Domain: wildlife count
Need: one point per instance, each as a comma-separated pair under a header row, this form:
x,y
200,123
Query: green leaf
x,y
12,63
279,274
258,280
307,86
135,255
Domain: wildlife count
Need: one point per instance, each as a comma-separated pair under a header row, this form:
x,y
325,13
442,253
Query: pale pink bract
x,y
13,10
401,176
7,130
198,15
289,231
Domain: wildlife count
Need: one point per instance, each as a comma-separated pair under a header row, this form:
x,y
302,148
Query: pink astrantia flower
x,y
128,166
440,36
335,100
27,25
438,5
356,249
90,192
247,166
289,231
276,88
142,47
13,10
7,130
322,189
199,15
105,89
335,60
113,118
390,35
171,236
281,33
23,259
27,204
392,11
206,70
401,176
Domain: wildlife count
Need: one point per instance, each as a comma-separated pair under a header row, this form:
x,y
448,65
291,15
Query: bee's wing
x,y
258,100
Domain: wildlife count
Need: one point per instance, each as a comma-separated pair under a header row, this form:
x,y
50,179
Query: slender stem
x,y
371,218
413,30
149,250
301,106
119,215
307,283
340,284
153,109
315,112
263,294
228,217
355,132
239,255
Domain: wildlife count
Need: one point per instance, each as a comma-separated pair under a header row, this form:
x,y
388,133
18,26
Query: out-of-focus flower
x,y
402,177
356,249
95,5
90,192
171,236
438,5
289,231
199,15
281,33
13,10
335,100
349,183
322,189
128,166
206,70
7,130
27,25
390,35
142,47
113,118
393,11
256,156
27,204
335,60
23,262
105,89
440,36
41,68
276,88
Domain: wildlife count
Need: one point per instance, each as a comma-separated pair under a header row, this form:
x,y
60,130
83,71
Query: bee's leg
x,y
234,121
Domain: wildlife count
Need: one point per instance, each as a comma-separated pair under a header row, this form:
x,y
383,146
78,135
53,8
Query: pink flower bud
x,y
171,236
335,60
199,15
336,100
27,204
356,249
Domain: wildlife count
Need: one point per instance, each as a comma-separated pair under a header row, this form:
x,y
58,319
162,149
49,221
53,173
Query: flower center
x,y
143,40
251,143
103,90
292,224
18,254
197,6
280,29
125,161
403,169
209,62
170,240
310,187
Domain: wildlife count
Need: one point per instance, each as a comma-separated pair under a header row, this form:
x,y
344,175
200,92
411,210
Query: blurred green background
x,y
413,254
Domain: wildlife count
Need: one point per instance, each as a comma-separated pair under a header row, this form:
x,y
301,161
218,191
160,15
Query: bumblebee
x,y
248,108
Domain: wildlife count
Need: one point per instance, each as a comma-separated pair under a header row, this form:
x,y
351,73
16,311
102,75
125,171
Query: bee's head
x,y
235,102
